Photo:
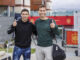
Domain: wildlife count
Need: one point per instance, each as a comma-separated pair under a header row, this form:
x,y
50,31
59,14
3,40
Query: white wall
x,y
27,2
49,5
19,8
18,1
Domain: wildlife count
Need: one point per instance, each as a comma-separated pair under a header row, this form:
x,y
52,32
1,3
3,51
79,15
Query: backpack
x,y
58,53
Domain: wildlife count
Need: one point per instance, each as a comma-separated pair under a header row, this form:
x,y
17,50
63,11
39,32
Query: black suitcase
x,y
58,53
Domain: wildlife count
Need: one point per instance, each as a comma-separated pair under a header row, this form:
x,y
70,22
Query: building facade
x,y
18,5
21,4
13,6
7,7
36,3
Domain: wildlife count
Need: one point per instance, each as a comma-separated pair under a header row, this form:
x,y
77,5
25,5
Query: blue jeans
x,y
26,52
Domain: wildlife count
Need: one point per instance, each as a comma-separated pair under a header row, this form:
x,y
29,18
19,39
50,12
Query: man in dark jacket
x,y
23,30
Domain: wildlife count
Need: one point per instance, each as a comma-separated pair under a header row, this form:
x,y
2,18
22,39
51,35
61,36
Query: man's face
x,y
42,12
25,15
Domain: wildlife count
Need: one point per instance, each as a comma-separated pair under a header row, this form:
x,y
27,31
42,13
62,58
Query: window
x,y
11,11
3,11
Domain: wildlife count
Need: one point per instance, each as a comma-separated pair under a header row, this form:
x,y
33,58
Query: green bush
x,y
10,50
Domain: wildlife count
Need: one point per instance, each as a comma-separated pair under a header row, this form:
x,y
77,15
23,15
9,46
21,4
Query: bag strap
x,y
50,21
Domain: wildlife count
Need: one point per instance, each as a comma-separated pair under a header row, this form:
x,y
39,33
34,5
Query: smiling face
x,y
42,11
24,15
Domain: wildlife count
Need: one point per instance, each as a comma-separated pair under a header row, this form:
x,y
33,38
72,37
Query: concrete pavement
x,y
70,55
70,52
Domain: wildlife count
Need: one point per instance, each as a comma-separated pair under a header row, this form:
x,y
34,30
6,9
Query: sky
x,y
66,4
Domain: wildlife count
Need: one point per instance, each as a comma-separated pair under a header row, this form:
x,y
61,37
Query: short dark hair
x,y
42,6
24,10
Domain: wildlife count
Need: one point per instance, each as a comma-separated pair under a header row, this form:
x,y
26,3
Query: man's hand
x,y
15,23
52,25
